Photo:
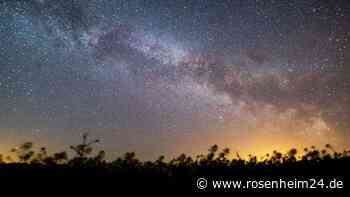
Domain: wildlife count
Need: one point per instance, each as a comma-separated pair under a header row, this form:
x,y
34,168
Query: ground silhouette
x,y
32,168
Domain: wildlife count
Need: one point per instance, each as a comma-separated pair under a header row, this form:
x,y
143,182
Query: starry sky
x,y
166,77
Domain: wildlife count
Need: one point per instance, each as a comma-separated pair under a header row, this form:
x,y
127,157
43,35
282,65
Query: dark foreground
x,y
312,171
327,176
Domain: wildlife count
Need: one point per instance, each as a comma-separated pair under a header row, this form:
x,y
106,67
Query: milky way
x,y
165,77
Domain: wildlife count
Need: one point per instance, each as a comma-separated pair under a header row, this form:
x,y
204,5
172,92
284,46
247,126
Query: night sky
x,y
166,77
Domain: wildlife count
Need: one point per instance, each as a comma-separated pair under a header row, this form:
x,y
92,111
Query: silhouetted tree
x,y
84,149
24,152
60,158
212,152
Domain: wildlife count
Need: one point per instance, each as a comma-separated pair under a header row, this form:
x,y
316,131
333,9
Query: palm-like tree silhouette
x,y
84,149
